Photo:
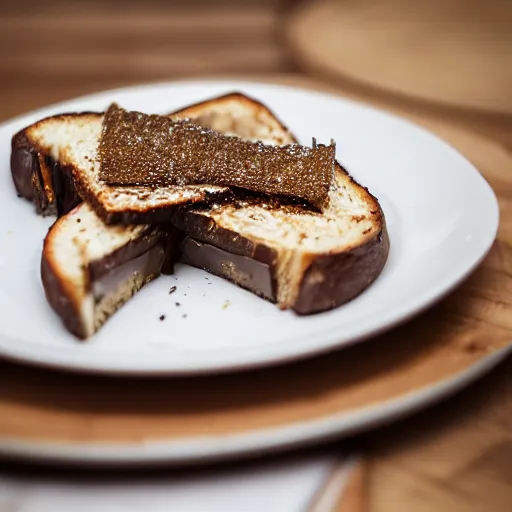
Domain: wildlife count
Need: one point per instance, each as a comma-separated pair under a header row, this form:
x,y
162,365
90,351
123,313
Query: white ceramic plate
x,y
442,218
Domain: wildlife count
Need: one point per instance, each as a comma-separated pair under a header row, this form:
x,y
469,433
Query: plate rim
x,y
246,359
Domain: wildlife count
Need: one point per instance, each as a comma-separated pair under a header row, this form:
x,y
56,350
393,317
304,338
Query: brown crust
x,y
334,279
59,300
160,215
60,294
37,177
22,164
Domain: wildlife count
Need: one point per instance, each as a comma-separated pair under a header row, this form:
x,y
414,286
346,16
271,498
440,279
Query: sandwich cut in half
x,y
54,162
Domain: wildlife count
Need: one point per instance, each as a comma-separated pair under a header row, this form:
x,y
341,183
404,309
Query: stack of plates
x,y
248,378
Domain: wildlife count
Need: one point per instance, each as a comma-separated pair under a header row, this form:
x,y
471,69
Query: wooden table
x,y
455,457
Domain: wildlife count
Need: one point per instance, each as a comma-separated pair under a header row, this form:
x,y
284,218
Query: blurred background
x,y
56,49
449,52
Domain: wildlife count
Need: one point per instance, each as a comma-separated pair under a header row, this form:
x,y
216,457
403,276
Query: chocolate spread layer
x,y
148,265
165,238
141,149
241,270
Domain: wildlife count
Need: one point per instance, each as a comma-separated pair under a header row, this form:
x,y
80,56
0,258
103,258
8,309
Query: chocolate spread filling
x,y
131,250
148,265
141,149
151,254
241,270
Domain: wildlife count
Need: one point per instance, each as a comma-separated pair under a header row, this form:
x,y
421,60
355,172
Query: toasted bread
x,y
80,243
138,149
284,252
89,270
56,158
300,259
37,172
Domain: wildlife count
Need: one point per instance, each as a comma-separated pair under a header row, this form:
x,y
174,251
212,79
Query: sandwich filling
x,y
113,289
247,273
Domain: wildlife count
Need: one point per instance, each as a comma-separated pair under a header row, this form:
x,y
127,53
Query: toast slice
x,y
155,150
89,270
54,162
37,173
298,258
301,259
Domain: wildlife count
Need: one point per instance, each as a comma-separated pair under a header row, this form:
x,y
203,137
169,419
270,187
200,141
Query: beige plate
x,y
454,52
99,419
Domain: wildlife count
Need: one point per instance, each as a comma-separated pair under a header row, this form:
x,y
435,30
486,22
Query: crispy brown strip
x,y
141,149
